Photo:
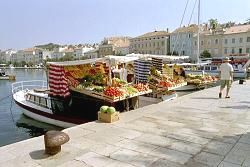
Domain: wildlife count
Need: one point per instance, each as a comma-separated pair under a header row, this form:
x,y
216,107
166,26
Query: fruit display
x,y
113,92
141,87
200,79
107,109
131,90
116,82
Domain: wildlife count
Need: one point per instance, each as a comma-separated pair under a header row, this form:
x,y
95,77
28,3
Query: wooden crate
x,y
107,117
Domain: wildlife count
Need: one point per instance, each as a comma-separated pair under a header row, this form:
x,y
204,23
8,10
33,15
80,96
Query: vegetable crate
x,y
108,117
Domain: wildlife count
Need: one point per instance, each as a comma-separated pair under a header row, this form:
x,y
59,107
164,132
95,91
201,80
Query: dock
x,y
196,130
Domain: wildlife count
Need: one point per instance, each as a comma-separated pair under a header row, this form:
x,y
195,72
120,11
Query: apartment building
x,y
80,52
92,54
6,56
236,40
181,40
210,40
156,42
114,46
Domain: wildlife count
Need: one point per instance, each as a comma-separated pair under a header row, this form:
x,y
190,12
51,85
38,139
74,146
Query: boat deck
x,y
194,130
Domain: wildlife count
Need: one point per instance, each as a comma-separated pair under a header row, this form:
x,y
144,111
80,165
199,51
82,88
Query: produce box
x,y
108,117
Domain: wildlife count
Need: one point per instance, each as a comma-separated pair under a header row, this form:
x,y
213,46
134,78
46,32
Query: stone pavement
x,y
196,130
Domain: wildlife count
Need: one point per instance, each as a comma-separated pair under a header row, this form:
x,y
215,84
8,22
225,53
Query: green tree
x,y
23,63
30,64
247,21
205,54
213,23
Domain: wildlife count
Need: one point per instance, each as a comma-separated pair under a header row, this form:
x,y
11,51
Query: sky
x,y
26,23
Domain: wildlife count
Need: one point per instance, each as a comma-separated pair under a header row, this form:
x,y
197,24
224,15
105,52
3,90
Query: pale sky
x,y
25,23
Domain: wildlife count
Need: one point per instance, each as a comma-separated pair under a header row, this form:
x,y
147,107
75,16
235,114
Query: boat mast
x,y
198,34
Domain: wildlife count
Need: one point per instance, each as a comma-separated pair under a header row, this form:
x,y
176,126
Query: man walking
x,y
226,76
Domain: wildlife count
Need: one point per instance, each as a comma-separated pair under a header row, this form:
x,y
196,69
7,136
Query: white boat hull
x,y
32,110
237,74
189,88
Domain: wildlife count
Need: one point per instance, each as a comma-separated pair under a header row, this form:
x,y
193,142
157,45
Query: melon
x,y
104,108
111,110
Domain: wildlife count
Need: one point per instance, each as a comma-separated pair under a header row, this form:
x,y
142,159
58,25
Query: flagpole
x,y
198,34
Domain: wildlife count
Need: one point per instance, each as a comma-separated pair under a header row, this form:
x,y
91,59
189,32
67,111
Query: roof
x,y
165,57
76,62
191,28
153,34
238,29
29,49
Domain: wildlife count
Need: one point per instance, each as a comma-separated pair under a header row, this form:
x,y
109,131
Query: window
x,y
240,50
216,41
201,42
209,42
248,50
225,51
241,40
162,43
248,39
195,43
158,44
233,51
225,41
149,44
189,35
233,40
153,44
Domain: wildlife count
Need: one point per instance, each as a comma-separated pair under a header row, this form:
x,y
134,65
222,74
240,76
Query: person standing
x,y
226,76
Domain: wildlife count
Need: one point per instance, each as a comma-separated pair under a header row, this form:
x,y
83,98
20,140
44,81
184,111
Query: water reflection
x,y
32,127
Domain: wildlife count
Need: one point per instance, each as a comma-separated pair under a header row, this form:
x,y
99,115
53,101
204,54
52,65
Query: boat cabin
x,y
40,99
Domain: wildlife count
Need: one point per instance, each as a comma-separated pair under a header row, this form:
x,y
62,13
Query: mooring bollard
x,y
241,81
53,141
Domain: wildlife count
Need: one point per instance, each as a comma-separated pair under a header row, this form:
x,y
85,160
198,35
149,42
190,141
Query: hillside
x,y
49,46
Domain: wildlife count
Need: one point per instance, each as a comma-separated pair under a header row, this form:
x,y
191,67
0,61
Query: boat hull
x,y
189,88
237,74
43,115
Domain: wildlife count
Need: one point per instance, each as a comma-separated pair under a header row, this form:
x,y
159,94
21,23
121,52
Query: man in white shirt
x,y
226,76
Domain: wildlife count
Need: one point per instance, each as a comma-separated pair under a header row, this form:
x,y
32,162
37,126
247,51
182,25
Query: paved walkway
x,y
194,130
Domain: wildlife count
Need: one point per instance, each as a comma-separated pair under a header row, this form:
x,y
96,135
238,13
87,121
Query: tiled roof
x,y
29,49
238,29
154,33
191,28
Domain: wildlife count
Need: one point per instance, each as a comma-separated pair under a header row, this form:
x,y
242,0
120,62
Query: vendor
x,y
182,73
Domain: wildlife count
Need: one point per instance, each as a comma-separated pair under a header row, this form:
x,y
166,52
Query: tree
x,y
213,23
205,54
247,21
23,63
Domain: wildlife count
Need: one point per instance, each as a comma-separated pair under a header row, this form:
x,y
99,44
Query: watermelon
x,y
111,110
104,108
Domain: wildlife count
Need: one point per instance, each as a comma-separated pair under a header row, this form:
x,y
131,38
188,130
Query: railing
x,y
24,85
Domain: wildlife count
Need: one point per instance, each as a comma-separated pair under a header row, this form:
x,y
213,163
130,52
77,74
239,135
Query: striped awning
x,y
57,81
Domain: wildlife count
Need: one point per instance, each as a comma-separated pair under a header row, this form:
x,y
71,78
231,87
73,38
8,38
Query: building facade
x,y
181,41
236,40
92,54
114,46
6,56
210,41
156,42
79,52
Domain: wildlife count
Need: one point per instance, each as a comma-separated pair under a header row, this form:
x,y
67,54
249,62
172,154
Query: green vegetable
x,y
104,108
111,110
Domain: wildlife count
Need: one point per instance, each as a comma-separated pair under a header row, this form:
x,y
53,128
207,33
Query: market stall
x,y
90,84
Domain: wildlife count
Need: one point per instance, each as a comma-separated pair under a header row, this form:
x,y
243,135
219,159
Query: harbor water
x,y
14,126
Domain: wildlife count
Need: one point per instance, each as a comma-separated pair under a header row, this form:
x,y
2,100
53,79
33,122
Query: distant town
x,y
216,40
